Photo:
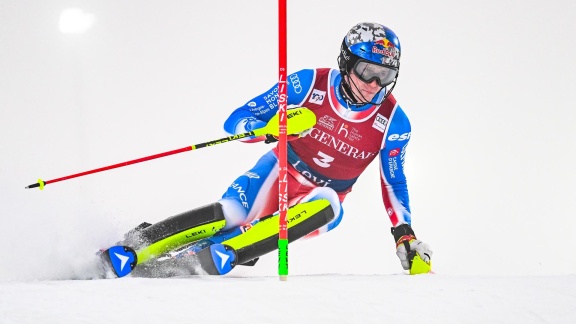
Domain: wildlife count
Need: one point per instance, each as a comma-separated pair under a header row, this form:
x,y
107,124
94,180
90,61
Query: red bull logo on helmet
x,y
384,47
388,50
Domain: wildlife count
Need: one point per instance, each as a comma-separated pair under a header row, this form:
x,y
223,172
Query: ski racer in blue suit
x,y
358,120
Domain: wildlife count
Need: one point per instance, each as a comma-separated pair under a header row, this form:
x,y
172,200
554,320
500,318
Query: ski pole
x,y
302,119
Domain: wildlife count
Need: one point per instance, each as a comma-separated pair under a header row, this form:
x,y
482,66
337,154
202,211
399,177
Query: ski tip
x,y
217,259
224,258
122,259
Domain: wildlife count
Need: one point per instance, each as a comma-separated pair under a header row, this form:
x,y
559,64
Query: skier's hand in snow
x,y
407,242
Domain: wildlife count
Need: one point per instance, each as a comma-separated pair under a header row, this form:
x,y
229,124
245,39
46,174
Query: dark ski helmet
x,y
372,52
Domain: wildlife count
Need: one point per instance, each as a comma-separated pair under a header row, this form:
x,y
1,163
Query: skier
x,y
358,120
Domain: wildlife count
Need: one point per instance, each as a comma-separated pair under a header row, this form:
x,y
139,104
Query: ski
x,y
219,254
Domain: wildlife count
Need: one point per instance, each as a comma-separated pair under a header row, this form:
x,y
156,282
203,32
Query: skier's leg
x,y
313,213
253,194
175,231
318,211
262,238
209,214
241,247
228,214
335,202
249,197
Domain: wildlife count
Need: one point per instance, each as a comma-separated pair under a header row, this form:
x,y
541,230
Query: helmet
x,y
372,51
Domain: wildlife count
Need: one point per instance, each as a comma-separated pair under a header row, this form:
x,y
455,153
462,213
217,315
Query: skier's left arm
x,y
392,177
395,189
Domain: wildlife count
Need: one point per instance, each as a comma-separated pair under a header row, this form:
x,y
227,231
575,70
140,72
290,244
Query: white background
x,y
486,84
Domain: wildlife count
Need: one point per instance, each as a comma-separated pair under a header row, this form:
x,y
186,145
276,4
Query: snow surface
x,y
491,165
302,299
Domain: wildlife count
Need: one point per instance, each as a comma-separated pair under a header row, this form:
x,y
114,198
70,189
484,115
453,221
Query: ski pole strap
x,y
270,139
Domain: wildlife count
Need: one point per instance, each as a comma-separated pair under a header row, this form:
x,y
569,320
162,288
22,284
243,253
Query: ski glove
x,y
253,124
407,245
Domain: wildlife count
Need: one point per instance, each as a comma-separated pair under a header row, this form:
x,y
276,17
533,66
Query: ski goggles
x,y
369,72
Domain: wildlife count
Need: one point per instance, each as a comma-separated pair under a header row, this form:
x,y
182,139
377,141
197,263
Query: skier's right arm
x,y
260,109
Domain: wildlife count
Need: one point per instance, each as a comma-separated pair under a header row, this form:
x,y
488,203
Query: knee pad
x,y
233,212
330,195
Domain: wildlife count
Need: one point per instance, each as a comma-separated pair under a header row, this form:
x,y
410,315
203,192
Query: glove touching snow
x,y
407,244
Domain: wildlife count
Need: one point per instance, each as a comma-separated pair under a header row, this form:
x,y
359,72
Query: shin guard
x,y
176,231
262,238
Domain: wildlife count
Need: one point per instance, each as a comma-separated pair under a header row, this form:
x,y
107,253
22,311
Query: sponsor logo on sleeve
x,y
295,81
399,137
252,175
392,166
271,98
394,152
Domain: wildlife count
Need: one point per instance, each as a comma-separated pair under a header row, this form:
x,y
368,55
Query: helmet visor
x,y
369,72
